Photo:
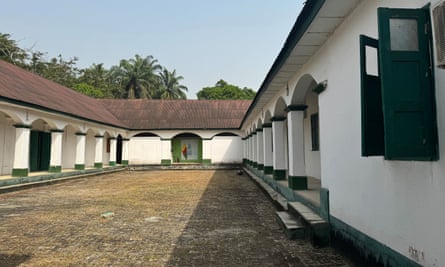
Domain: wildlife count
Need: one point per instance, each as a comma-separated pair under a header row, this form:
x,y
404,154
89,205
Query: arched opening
x,y
280,140
119,149
7,143
106,149
39,146
187,148
146,134
226,134
144,149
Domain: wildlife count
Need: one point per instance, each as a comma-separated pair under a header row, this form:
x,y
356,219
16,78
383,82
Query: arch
x,y
226,134
304,84
280,108
267,117
187,147
7,142
145,134
39,146
9,115
42,125
187,134
259,124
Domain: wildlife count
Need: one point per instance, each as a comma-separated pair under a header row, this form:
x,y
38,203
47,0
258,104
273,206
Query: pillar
x,y
260,153
80,151
207,151
279,164
166,151
267,145
297,170
21,151
125,151
98,159
113,143
55,162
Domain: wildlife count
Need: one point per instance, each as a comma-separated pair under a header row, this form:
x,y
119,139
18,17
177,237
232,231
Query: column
x,y
80,151
207,151
267,144
125,151
21,150
279,164
254,150
98,159
260,153
55,162
166,151
297,170
113,143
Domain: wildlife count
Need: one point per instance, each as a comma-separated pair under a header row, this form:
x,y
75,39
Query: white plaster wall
x,y
105,153
69,148
7,141
312,158
90,149
226,149
398,203
145,150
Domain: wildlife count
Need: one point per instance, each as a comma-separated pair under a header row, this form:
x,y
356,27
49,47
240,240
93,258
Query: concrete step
x,y
291,226
317,229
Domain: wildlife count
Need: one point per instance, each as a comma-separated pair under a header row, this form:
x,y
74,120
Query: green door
x,y
40,151
407,84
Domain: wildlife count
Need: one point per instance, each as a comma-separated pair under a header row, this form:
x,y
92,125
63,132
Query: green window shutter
x,y
407,84
371,104
315,132
34,151
45,150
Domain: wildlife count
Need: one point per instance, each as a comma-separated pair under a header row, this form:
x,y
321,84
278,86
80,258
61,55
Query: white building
x,y
354,102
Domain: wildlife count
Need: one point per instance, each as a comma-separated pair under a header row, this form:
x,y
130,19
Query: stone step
x,y
317,229
291,226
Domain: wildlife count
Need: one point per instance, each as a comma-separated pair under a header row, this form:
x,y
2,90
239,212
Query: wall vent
x,y
439,32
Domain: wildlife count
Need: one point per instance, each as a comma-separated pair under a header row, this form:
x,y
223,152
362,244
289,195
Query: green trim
x,y
166,162
259,130
206,139
127,139
304,20
297,182
320,87
206,161
166,139
79,166
267,125
20,172
22,125
296,108
368,246
254,132
260,166
112,138
112,163
98,136
279,175
55,168
125,162
255,164
268,170
80,134
56,131
98,165
277,119
324,203
244,161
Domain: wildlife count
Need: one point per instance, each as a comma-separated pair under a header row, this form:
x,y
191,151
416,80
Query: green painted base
x,y
166,162
79,166
112,163
244,161
19,172
297,182
268,170
260,167
98,165
206,161
55,169
255,165
324,203
125,162
279,175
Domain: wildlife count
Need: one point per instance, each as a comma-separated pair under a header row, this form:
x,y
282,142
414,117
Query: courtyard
x,y
151,218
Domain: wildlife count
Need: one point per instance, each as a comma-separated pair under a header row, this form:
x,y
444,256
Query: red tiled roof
x,y
25,87
141,114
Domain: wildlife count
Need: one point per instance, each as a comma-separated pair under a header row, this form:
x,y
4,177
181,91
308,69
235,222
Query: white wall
x,y
226,149
69,148
7,143
144,150
90,149
312,158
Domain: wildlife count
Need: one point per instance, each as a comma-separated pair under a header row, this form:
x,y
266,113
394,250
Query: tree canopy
x,y
224,91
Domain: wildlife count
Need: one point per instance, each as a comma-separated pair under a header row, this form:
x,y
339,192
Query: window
x,y
315,132
398,104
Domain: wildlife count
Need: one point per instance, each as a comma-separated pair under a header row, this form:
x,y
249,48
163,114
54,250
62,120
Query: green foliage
x,y
170,88
224,91
10,51
89,90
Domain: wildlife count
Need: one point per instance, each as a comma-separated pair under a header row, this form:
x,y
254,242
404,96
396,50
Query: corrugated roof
x,y
141,114
27,88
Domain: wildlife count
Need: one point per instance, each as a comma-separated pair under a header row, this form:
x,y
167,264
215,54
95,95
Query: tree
x,y
98,78
10,51
223,90
89,90
137,76
170,88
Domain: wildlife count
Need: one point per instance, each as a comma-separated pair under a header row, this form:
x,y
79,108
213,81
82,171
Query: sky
x,y
204,40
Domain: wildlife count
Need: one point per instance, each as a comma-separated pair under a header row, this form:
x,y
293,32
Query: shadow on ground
x,y
13,259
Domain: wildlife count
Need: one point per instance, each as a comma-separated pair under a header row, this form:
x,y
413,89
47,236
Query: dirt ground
x,y
153,218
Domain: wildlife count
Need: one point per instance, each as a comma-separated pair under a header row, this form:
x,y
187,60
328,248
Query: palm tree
x,y
137,76
170,88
